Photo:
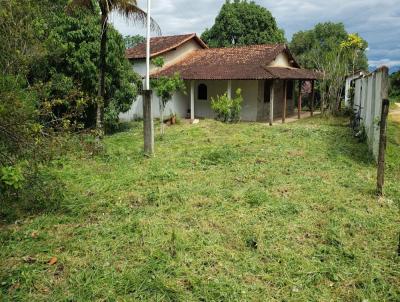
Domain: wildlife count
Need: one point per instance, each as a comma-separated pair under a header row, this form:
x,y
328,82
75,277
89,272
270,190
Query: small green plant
x,y
227,109
158,62
165,87
12,176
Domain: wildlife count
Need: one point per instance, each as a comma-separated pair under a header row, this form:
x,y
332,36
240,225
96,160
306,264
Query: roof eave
x,y
156,54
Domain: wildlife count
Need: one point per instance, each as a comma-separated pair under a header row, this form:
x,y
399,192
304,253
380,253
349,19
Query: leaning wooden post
x,y
382,147
312,97
148,124
299,102
271,104
284,101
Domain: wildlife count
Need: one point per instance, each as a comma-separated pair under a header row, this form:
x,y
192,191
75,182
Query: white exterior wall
x,y
282,60
370,91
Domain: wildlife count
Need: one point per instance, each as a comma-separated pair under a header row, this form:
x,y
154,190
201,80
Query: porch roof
x,y
238,63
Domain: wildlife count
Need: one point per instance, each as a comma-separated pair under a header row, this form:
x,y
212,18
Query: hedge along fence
x,y
369,93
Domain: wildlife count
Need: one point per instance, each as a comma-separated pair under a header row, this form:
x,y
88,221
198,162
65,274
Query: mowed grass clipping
x,y
242,212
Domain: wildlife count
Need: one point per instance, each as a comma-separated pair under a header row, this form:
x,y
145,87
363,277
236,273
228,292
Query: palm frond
x,y
131,12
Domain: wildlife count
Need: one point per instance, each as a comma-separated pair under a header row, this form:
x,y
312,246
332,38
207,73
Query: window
x,y
202,92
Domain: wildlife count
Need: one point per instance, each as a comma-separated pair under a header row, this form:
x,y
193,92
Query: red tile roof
x,y
238,63
160,45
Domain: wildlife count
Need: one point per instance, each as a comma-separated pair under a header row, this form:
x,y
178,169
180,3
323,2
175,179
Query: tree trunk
x,y
101,99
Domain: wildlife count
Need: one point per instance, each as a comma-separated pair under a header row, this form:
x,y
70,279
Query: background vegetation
x,y
395,86
330,49
243,23
49,59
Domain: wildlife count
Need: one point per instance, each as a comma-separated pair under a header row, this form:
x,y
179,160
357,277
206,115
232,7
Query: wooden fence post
x,y
382,147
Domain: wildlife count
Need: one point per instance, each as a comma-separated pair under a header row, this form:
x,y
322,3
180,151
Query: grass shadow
x,y
343,143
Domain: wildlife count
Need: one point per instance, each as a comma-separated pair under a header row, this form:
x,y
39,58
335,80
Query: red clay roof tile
x,y
160,45
237,63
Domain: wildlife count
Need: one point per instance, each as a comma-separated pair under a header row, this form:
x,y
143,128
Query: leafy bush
x,y
226,109
27,144
395,86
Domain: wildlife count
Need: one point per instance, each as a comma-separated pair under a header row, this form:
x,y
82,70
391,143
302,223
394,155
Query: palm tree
x,y
130,10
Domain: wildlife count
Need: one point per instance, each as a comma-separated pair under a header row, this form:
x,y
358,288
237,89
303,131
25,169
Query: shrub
x,y
29,139
226,109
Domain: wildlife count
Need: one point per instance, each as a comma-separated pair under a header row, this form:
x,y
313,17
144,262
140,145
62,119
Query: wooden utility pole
x,y
382,147
299,102
284,101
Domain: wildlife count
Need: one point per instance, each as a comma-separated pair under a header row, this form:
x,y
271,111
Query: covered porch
x,y
264,100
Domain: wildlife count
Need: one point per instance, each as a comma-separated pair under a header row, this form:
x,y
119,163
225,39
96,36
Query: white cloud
x,y
384,62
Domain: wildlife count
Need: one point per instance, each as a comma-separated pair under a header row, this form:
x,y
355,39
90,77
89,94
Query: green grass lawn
x,y
242,212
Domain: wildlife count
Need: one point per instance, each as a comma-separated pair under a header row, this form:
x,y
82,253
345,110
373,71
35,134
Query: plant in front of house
x,y
227,109
165,88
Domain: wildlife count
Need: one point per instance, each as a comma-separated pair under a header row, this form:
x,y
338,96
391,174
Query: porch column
x,y
299,102
312,97
284,101
229,91
271,104
192,100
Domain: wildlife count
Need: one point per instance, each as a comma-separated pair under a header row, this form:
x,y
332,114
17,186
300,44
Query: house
x,y
266,74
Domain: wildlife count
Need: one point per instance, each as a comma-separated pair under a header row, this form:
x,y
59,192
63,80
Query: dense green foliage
x,y
49,58
335,53
238,212
132,41
395,85
242,22
227,109
311,45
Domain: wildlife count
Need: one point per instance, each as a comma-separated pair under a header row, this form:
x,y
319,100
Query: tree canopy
x,y
132,41
243,22
309,45
49,58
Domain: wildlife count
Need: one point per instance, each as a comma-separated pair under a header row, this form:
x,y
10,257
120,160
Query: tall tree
x,y
243,22
132,41
330,49
324,38
130,10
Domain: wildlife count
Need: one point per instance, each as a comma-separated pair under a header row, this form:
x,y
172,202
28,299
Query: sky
x,y
377,21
